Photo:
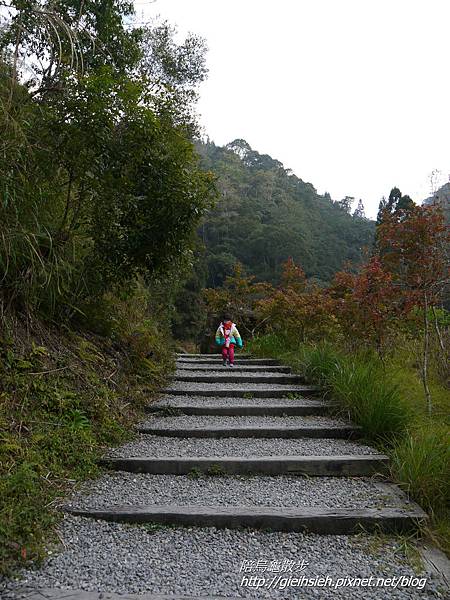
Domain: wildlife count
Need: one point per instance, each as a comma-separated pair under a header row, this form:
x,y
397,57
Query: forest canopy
x,y
266,214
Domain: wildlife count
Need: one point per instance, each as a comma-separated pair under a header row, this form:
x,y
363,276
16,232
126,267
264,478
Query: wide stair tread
x,y
235,406
191,368
160,446
236,377
243,390
253,426
217,360
311,466
280,503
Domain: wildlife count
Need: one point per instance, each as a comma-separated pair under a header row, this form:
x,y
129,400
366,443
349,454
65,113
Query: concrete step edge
x,y
238,360
244,393
248,409
205,355
289,432
182,367
311,466
311,519
233,377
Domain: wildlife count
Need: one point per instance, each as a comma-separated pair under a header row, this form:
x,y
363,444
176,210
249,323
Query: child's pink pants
x,y
228,353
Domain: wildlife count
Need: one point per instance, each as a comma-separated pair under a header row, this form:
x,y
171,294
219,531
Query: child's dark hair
x,y
226,317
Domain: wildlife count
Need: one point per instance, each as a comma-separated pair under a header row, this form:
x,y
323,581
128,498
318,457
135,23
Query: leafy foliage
x,y
100,182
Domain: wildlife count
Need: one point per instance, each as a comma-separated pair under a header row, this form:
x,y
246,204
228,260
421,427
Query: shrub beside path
x,y
241,483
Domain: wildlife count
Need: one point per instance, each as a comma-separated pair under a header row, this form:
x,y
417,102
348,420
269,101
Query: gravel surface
x,y
123,488
216,359
197,421
239,368
226,372
219,401
212,387
156,446
114,557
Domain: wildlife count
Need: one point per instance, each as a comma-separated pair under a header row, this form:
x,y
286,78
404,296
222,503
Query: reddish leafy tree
x,y
293,276
414,249
366,305
378,302
296,309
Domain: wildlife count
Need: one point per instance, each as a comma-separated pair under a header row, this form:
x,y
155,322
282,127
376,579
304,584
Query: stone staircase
x,y
249,447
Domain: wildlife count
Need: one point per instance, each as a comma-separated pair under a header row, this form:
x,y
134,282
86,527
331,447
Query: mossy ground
x,y
65,396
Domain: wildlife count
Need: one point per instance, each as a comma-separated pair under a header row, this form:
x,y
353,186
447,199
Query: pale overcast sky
x,y
352,95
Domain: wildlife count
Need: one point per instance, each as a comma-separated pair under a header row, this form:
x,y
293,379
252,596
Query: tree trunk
x,y
438,331
426,345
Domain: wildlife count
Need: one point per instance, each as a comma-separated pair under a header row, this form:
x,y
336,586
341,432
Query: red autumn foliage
x,y
414,248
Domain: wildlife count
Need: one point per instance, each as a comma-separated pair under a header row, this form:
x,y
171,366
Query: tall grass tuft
x,y
271,344
421,465
385,400
319,363
372,401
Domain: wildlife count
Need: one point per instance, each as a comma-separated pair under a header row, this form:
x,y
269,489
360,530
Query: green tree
x,y
99,183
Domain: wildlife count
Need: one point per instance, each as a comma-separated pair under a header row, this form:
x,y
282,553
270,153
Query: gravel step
x,y
182,356
336,521
217,360
185,367
189,562
311,466
230,376
235,401
238,406
160,446
157,420
260,427
343,432
255,390
280,491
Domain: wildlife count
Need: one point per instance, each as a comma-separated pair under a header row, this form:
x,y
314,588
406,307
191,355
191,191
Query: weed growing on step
x,y
195,473
402,545
168,411
215,470
152,527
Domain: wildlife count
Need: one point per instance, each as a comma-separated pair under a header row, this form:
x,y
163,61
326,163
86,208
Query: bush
x,y
272,344
359,385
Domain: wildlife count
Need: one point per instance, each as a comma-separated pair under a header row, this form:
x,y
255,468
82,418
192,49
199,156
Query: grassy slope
x,y
64,398
388,402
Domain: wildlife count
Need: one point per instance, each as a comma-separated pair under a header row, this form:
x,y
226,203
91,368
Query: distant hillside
x,y
442,198
266,214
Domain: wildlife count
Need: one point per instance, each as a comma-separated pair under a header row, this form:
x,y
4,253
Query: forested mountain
x,y
266,214
441,198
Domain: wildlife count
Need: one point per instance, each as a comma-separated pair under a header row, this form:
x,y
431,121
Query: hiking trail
x,y
239,483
